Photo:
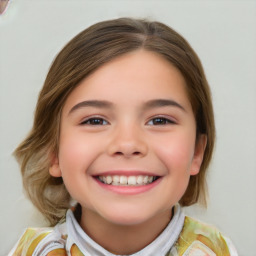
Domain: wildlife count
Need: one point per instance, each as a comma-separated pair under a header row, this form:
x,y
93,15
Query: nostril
x,y
127,148
134,153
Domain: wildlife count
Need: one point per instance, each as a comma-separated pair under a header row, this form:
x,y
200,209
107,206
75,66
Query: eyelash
x,y
99,121
161,119
102,121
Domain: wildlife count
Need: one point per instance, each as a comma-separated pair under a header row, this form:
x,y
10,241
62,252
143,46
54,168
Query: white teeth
x,y
145,179
109,179
122,180
140,180
116,179
132,180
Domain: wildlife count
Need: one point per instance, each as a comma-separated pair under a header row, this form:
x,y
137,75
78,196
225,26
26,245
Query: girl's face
x,y
128,140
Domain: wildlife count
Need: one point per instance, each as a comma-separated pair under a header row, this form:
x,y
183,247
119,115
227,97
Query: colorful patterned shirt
x,y
183,236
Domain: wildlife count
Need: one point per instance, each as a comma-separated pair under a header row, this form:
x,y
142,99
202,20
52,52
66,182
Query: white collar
x,y
160,246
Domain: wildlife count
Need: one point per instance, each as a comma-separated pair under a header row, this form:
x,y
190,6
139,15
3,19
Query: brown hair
x,y
86,52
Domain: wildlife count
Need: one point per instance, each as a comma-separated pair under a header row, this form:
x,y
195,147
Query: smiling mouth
x,y
121,180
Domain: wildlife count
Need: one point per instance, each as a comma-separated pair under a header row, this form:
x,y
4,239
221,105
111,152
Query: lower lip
x,y
129,190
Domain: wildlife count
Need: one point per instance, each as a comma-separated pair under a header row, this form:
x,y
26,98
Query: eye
x,y
94,121
160,121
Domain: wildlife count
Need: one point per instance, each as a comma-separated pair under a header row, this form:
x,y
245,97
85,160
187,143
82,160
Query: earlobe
x,y
54,169
198,154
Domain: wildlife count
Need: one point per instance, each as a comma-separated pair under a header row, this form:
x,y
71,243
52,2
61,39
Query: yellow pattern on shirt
x,y
195,239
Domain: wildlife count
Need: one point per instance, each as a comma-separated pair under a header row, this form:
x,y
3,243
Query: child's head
x,y
80,58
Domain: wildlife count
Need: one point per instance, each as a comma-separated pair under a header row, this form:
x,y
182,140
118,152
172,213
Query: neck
x,y
123,239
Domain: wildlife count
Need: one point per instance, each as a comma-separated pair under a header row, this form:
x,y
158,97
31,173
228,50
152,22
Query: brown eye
x,y
94,121
160,121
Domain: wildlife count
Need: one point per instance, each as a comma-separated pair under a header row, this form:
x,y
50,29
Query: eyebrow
x,y
106,104
92,103
163,103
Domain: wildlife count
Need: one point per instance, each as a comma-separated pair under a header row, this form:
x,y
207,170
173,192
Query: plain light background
x,y
223,33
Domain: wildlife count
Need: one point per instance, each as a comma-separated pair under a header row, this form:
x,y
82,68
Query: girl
x,y
124,127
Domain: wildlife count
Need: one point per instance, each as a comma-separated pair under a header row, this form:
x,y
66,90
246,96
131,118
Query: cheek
x,y
176,151
70,153
77,151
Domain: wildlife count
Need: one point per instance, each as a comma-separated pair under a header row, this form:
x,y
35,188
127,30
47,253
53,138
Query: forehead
x,y
134,77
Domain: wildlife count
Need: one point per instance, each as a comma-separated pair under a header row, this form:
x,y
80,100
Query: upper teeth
x,y
122,180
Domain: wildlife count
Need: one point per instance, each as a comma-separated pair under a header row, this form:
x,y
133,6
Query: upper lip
x,y
126,173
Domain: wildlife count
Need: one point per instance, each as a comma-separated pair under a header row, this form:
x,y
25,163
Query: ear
x,y
198,154
54,169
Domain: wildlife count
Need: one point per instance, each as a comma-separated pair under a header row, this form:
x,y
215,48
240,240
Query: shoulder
x,y
35,240
198,238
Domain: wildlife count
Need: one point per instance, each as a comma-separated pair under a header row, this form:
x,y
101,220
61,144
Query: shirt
x,y
183,236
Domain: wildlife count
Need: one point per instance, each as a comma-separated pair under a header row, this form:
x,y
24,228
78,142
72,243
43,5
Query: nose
x,y
127,141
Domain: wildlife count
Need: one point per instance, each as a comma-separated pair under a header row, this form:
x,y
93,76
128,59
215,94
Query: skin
x,y
128,136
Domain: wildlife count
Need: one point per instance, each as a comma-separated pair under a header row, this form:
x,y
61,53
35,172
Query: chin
x,y
126,217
